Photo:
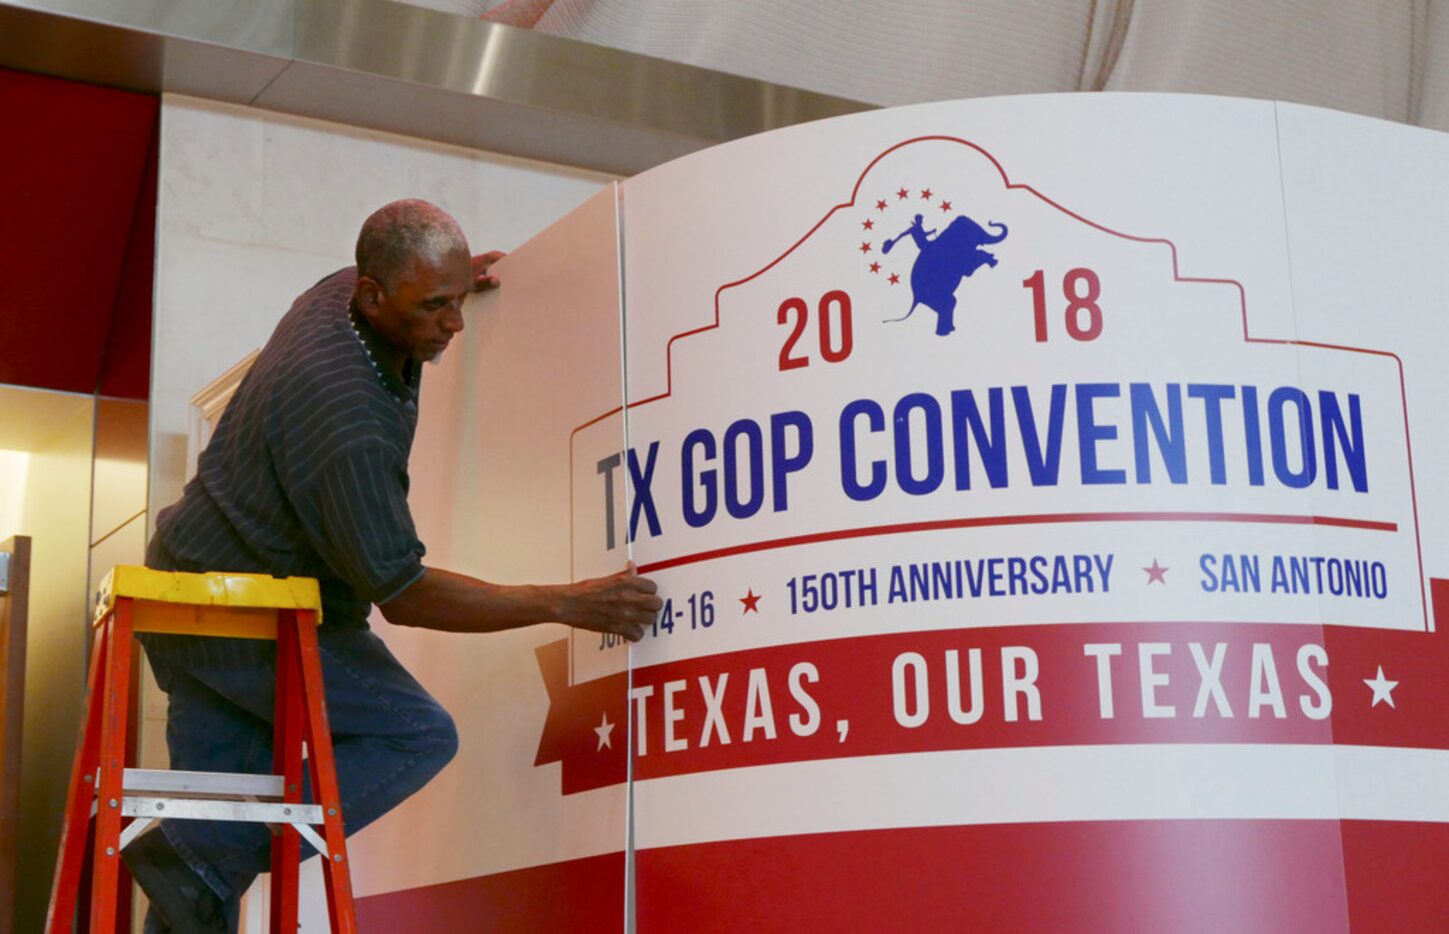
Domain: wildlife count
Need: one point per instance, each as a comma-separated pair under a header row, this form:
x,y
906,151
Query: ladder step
x,y
204,809
168,782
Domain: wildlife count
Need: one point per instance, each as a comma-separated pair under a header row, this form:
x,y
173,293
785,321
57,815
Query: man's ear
x,y
369,296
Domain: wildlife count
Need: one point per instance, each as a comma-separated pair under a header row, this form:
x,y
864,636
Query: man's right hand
x,y
622,604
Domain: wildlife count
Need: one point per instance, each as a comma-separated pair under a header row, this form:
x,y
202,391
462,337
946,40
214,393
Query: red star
x,y
865,248
867,224
926,194
1156,573
751,601
903,194
945,205
875,267
880,205
895,278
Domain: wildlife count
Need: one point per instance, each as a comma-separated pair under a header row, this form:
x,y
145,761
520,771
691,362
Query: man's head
x,y
413,273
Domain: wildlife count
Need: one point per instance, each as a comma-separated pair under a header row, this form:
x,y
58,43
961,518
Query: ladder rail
x,y
180,784
124,803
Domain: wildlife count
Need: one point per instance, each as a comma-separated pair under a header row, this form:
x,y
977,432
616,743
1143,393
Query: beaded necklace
x,y
352,322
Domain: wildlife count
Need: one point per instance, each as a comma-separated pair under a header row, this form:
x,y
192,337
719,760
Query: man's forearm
x,y
621,603
457,603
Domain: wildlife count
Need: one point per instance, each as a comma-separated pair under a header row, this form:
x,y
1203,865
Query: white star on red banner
x,y
1382,687
604,729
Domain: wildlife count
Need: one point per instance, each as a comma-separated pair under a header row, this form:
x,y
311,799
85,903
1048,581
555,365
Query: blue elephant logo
x,y
942,261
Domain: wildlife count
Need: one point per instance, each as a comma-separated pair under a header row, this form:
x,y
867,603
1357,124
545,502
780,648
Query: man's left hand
x,y
481,279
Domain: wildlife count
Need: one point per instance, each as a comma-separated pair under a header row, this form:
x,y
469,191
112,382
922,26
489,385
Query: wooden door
x,y
14,601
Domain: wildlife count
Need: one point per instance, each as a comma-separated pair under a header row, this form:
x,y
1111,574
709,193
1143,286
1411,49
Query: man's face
x,y
423,308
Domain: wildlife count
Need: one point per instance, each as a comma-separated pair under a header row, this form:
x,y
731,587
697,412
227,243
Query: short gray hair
x,y
397,232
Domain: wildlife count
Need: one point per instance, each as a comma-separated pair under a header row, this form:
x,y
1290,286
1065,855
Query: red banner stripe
x,y
893,693
862,681
583,895
1243,876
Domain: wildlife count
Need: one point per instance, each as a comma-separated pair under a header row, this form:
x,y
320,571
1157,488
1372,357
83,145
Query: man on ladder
x,y
306,475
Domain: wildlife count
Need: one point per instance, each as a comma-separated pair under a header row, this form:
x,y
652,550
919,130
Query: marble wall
x,y
254,207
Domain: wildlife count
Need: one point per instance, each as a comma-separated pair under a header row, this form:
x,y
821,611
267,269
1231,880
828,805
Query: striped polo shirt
x,y
306,473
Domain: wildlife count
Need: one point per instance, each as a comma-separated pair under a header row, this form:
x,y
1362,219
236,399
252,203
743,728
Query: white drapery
x,y
1381,58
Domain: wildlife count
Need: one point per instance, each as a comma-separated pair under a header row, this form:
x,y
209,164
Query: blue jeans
x,y
389,736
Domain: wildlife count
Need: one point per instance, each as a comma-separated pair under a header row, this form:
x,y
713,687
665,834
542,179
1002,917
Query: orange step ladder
x,y
250,606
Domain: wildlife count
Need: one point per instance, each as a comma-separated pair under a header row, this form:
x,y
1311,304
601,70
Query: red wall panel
x,y
76,209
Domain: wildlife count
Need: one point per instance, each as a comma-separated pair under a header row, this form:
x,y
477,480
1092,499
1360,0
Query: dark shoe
x,y
181,899
155,924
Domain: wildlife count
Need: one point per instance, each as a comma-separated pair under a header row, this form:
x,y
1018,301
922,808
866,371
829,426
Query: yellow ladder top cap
x,y
217,588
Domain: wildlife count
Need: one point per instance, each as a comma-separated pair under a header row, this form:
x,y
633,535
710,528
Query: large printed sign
x,y
1033,445
1045,497
958,468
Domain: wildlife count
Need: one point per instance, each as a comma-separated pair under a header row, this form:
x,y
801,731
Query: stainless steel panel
x,y
405,69
263,26
137,60
535,70
217,73
365,100
85,51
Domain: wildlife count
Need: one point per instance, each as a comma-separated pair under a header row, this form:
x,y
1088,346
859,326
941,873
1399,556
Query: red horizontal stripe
x,y
856,684
1182,876
936,525
582,896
